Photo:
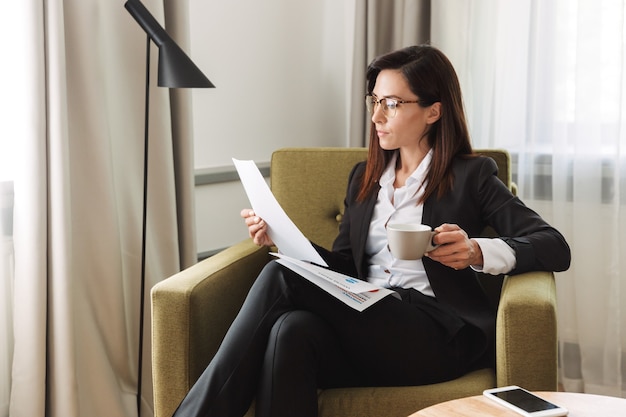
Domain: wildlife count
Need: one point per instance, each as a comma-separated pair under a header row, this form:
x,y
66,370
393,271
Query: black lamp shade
x,y
176,69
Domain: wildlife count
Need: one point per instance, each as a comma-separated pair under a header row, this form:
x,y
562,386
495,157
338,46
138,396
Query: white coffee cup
x,y
409,241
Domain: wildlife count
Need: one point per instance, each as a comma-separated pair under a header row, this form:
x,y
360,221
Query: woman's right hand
x,y
257,228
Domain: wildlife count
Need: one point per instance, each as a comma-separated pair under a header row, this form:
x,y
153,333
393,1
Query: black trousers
x,y
291,338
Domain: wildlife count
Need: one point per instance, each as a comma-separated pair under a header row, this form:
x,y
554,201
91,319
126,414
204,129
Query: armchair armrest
x,y
191,312
525,328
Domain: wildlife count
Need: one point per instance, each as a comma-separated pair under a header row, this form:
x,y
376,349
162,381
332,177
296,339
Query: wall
x,y
281,68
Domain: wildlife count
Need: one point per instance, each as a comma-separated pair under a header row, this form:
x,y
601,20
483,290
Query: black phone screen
x,y
525,400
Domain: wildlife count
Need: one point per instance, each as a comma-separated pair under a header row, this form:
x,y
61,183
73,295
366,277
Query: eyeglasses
x,y
390,105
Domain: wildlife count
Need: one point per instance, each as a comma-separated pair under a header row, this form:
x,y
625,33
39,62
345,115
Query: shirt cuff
x,y
498,257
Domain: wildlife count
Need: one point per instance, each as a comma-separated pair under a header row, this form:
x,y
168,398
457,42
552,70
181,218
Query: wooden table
x,y
579,405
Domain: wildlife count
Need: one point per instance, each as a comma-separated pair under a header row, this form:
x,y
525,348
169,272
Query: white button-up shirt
x,y
400,205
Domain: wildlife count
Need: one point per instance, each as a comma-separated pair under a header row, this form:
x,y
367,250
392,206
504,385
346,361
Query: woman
x,y
291,338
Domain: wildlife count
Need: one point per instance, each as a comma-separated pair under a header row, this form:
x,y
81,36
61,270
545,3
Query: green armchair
x,y
192,310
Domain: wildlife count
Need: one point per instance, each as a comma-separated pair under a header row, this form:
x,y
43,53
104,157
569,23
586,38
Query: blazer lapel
x,y
362,214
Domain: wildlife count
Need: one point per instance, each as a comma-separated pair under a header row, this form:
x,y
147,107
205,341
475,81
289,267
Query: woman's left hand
x,y
455,249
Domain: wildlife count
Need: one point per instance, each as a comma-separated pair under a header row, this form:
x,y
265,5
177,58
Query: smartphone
x,y
524,402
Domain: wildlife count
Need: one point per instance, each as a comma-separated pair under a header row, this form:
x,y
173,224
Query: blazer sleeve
x,y
538,246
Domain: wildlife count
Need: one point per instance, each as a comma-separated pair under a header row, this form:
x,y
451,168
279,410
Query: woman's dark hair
x,y
431,77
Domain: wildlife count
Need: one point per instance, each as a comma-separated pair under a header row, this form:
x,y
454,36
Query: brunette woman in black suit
x,y
291,338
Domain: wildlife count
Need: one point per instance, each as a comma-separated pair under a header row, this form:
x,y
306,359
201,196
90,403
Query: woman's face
x,y
411,121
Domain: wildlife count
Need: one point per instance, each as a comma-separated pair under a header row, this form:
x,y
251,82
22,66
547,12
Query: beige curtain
x,y
177,25
78,206
380,26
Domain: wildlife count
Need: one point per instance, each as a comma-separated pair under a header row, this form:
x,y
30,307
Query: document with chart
x,y
296,251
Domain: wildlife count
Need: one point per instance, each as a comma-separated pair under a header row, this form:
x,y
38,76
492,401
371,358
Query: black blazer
x,y
478,199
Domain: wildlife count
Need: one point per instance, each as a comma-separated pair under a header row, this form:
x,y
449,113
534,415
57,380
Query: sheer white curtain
x,y
72,113
547,81
6,292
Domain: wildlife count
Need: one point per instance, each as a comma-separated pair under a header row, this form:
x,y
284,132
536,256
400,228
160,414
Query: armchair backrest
x,y
310,184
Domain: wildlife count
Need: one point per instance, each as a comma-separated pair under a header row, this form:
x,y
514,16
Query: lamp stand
x,y
144,229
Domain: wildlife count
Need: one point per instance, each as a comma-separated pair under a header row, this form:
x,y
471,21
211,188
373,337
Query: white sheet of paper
x,y
346,282
281,229
327,280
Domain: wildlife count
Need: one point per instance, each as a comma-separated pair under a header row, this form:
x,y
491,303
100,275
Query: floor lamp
x,y
175,70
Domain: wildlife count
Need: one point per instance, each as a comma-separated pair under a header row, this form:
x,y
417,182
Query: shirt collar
x,y
389,174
